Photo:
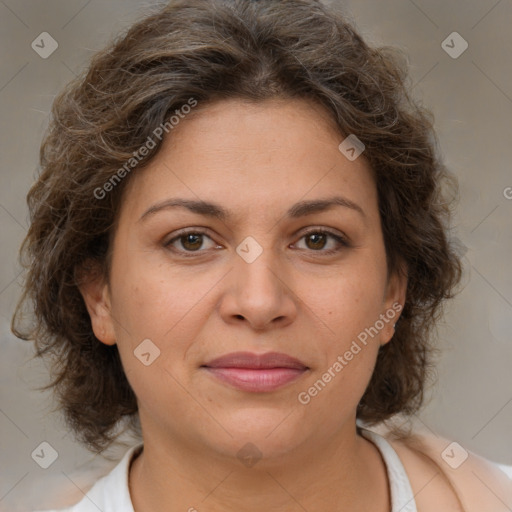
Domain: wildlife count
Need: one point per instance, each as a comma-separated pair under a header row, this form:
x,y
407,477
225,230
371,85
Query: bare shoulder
x,y
445,476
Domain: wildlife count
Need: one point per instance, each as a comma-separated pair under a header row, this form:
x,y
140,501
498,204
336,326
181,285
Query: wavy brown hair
x,y
212,50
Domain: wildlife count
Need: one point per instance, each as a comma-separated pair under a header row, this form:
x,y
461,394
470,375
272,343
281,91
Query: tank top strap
x,y
402,497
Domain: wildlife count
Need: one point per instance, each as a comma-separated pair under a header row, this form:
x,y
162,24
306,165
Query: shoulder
x,y
94,499
110,493
443,473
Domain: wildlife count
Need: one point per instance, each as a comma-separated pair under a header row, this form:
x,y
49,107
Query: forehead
x,y
251,157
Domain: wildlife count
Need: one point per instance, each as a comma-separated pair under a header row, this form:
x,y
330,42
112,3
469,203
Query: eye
x,y
318,239
190,241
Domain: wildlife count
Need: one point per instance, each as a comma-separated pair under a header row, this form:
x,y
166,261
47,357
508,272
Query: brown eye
x,y
324,242
318,240
190,242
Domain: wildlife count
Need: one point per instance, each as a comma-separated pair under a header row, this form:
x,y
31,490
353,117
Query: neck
x,y
342,472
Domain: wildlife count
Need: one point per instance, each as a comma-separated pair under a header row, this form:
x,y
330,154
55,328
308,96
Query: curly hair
x,y
212,50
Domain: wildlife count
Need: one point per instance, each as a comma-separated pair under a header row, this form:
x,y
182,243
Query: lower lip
x,y
261,380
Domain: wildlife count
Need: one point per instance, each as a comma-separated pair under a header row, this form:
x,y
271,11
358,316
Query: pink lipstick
x,y
256,372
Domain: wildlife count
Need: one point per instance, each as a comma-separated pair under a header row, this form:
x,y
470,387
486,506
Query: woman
x,y
238,244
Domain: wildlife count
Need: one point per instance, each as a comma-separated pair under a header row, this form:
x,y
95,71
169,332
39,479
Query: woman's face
x,y
269,275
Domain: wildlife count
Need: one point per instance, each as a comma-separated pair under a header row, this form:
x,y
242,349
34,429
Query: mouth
x,y
256,372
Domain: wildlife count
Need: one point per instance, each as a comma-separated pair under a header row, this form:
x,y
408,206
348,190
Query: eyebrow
x,y
214,210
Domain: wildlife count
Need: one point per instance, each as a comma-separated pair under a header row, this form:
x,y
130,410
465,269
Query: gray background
x,y
471,97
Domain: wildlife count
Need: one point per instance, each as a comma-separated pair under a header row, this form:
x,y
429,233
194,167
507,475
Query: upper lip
x,y
256,361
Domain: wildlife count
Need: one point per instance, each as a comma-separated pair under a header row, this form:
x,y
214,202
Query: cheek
x,y
151,299
347,303
349,350
348,306
335,389
166,305
156,321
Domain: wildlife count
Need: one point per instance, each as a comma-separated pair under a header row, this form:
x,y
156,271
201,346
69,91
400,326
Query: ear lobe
x,y
96,294
394,302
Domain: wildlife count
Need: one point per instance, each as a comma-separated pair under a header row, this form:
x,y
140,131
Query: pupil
x,y
194,240
317,236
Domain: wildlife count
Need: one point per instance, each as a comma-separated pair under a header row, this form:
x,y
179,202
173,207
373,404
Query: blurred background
x,y
459,54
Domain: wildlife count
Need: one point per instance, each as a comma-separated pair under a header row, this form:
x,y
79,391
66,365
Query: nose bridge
x,y
257,292
256,271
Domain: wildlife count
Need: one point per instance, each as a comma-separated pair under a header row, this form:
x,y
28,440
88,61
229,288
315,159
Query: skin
x,y
257,160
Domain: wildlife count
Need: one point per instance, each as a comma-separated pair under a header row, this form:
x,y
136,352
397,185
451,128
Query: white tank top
x,y
402,497
111,493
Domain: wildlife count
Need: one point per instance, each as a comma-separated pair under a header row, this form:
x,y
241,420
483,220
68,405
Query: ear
x,y
394,301
96,294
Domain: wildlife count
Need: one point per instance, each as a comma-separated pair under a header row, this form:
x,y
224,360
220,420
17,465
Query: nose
x,y
258,294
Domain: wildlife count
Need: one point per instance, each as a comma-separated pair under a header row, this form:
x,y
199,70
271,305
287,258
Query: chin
x,y
267,434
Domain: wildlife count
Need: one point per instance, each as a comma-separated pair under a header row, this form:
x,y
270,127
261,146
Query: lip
x,y
256,361
256,372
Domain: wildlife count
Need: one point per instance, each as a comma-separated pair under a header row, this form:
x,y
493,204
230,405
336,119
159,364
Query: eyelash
x,y
342,241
